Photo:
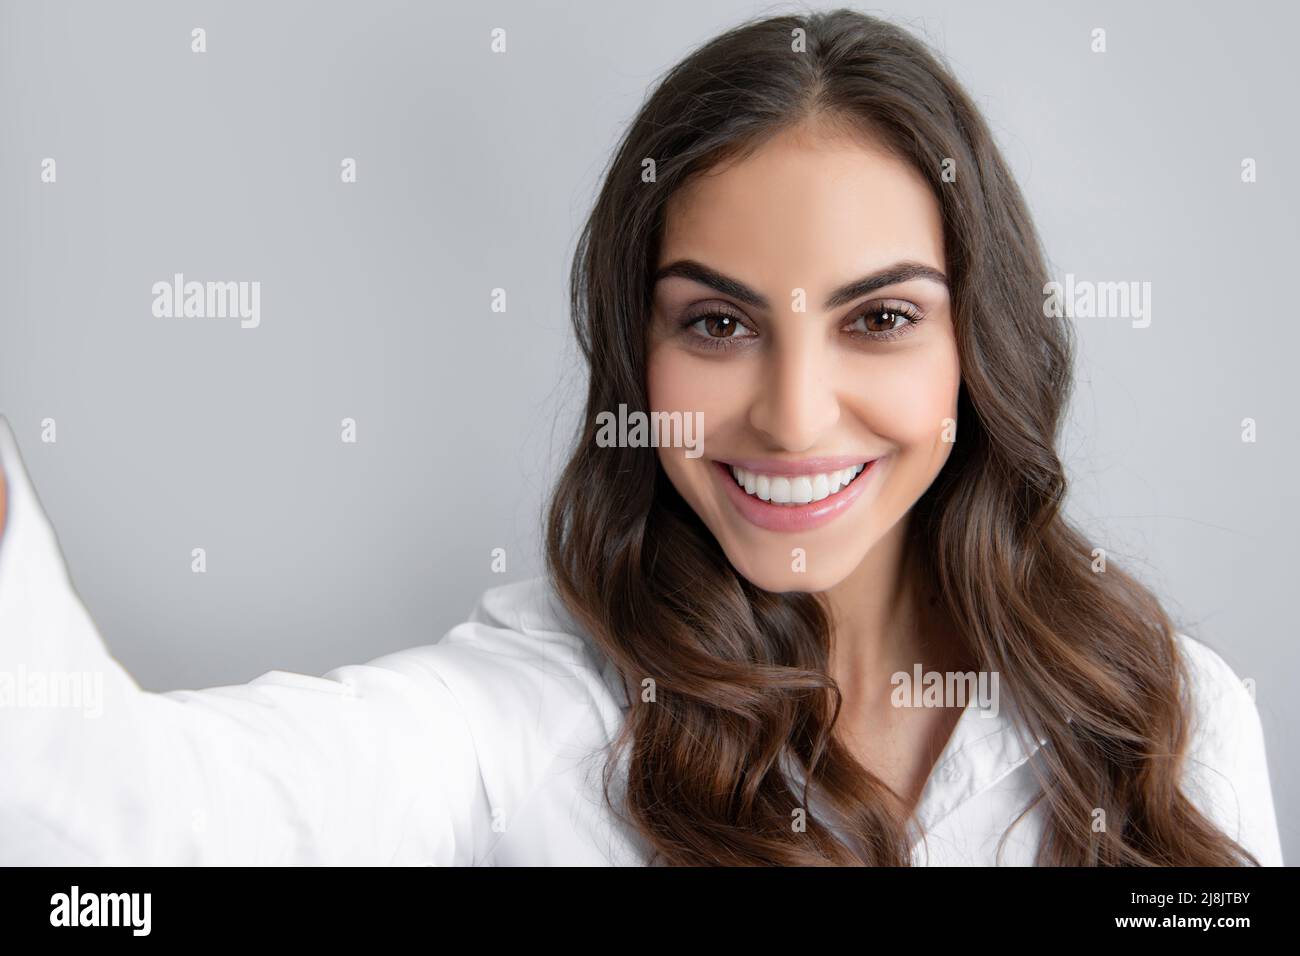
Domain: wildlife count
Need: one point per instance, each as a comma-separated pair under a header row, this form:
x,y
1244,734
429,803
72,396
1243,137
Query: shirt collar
x,y
986,745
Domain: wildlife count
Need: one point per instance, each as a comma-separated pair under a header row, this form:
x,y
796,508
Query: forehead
x,y
805,210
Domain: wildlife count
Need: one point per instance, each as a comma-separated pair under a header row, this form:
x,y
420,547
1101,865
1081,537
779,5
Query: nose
x,y
796,404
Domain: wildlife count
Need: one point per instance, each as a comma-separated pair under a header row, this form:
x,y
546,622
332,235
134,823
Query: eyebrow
x,y
890,275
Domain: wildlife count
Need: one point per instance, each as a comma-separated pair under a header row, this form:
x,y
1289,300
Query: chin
x,y
774,571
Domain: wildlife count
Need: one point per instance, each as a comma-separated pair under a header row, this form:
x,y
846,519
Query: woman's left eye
x,y
884,320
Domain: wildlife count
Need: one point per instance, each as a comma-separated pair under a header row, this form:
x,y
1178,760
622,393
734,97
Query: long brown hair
x,y
742,689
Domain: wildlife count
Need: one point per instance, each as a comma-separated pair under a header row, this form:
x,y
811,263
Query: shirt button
x,y
950,771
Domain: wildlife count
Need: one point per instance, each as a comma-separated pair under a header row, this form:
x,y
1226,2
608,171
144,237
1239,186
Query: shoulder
x,y
1226,770
1216,688
519,644
525,625
1223,710
530,606
529,683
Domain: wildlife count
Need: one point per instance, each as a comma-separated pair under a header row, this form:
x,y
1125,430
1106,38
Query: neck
x,y
879,624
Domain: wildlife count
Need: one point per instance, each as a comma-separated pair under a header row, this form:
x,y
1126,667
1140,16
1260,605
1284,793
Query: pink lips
x,y
772,517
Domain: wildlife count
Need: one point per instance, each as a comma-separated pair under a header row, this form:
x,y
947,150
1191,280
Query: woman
x,y
808,242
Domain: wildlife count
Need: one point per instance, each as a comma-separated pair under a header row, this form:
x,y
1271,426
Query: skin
x,y
814,209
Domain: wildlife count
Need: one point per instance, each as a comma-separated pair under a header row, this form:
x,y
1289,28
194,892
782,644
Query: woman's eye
x,y
718,325
882,321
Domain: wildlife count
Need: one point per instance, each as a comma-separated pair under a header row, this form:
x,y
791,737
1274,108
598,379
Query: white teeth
x,y
798,490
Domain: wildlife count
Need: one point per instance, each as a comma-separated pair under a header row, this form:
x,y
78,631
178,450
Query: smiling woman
x,y
834,265
851,345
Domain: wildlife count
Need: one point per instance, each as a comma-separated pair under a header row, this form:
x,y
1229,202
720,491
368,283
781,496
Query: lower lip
x,y
772,517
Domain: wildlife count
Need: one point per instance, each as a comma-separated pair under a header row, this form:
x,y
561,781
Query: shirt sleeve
x,y
1226,773
370,764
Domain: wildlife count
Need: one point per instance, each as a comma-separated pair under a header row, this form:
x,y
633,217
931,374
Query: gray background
x,y
475,171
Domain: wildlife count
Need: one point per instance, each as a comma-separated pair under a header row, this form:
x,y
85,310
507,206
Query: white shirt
x,y
482,748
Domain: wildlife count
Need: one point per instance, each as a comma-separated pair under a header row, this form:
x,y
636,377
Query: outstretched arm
x,y
371,763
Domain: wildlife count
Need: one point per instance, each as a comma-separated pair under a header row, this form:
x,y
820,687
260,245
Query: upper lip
x,y
804,466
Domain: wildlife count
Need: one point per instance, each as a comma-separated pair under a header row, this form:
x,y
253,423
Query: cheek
x,y
677,381
911,399
670,387
666,379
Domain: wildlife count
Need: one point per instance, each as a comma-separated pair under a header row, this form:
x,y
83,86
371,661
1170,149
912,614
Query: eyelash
x,y
895,307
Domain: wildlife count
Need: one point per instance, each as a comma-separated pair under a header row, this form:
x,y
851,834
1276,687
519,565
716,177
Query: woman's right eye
x,y
717,329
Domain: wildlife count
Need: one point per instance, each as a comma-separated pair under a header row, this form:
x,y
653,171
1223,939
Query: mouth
x,y
781,497
795,489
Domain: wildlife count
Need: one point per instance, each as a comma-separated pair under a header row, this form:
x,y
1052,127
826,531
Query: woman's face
x,y
801,307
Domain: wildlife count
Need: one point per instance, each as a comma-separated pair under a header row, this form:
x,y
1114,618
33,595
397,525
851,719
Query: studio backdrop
x,y
355,434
